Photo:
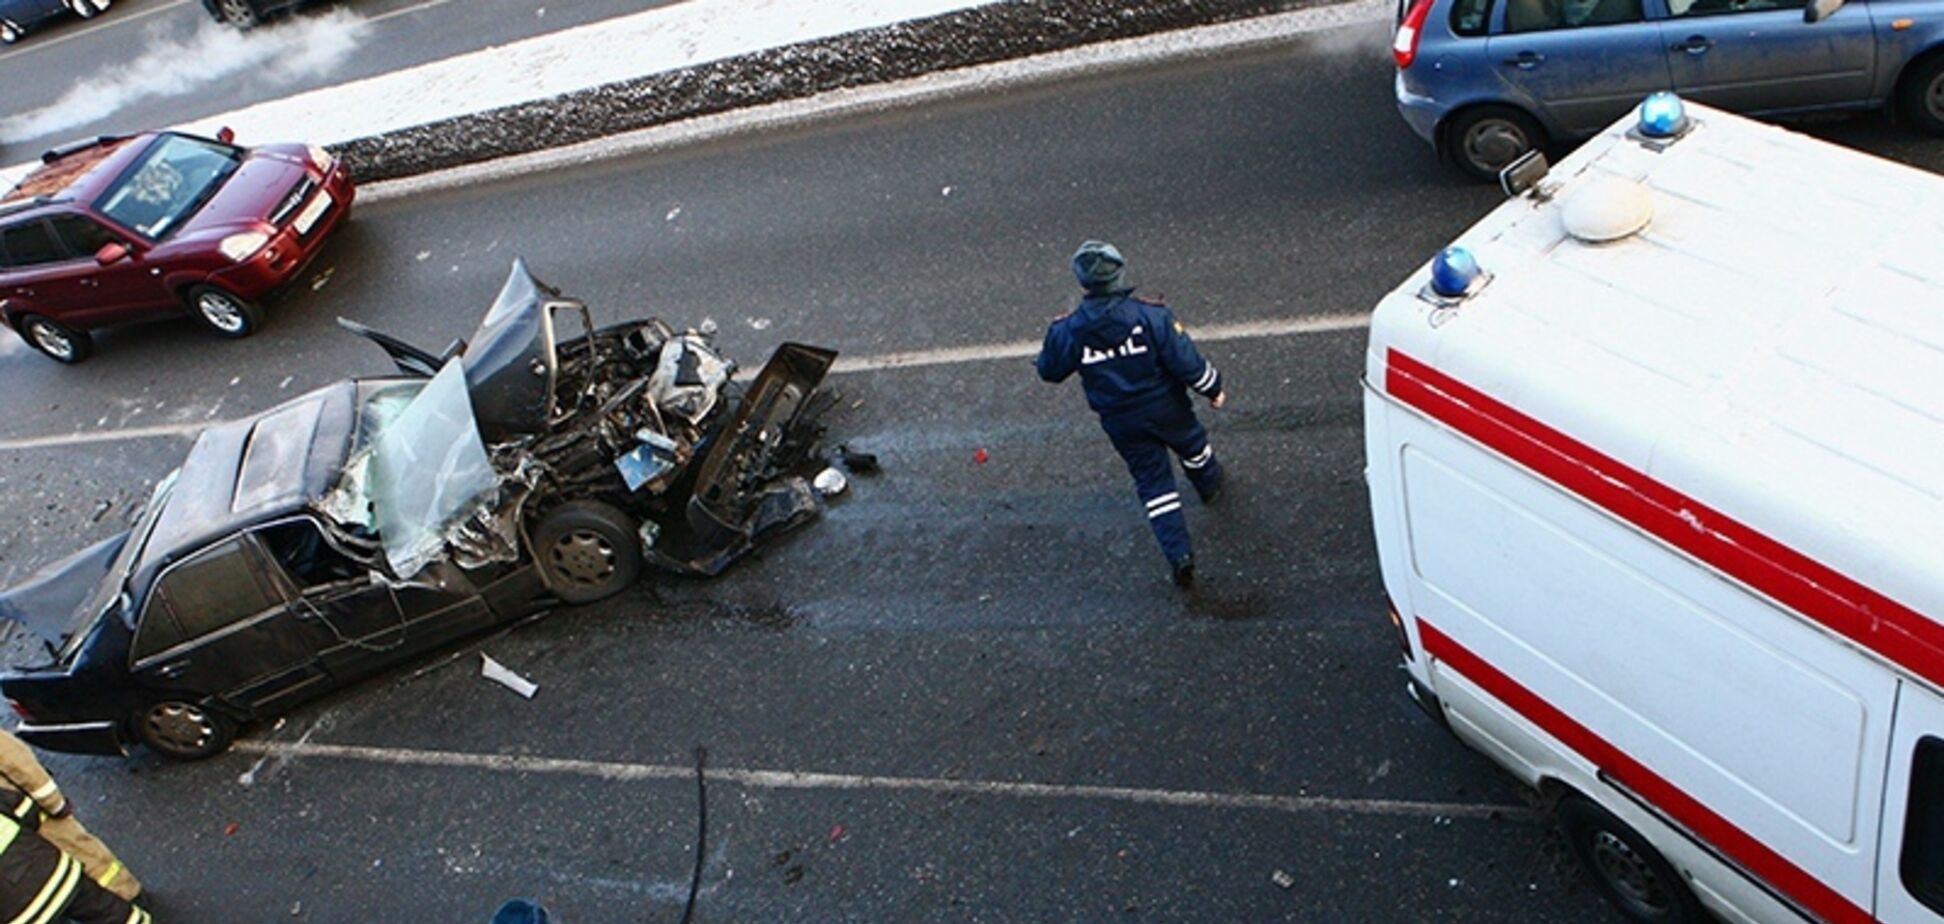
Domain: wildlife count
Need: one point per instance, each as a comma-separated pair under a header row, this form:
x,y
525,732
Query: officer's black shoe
x,y
1184,572
1213,491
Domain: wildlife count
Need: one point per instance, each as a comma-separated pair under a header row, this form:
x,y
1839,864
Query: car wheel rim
x,y
1630,875
180,727
1934,100
1494,143
52,341
584,557
237,11
9,34
221,311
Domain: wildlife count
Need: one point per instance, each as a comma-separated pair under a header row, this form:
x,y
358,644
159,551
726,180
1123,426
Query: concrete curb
x,y
966,38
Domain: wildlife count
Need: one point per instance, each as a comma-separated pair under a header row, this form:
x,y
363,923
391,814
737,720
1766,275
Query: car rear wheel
x,y
587,551
55,339
225,313
238,13
1626,869
1485,140
83,8
184,731
1922,99
9,33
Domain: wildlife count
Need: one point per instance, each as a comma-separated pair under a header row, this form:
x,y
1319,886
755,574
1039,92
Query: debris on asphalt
x,y
322,279
1282,880
100,509
502,675
830,482
230,829
859,463
793,875
836,833
297,909
980,456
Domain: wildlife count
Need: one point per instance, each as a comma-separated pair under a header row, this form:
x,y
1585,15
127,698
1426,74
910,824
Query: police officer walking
x,y
41,883
1137,365
20,770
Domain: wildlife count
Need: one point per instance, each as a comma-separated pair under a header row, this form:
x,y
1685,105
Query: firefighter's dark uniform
x,y
1137,365
41,883
21,770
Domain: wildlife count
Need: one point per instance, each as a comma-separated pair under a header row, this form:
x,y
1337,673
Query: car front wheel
x,y
184,731
1922,100
1485,140
587,551
9,33
83,8
55,339
225,313
1625,868
238,13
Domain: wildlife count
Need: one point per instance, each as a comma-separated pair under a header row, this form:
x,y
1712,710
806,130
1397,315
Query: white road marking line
x,y
912,359
109,21
978,80
619,772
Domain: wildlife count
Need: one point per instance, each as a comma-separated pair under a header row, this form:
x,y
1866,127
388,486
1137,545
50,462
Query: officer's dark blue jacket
x,y
1130,353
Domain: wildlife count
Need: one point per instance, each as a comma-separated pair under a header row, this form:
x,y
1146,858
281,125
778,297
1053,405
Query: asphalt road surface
x,y
152,63
967,694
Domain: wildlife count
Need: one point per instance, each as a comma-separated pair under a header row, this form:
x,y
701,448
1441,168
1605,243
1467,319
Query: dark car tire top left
x,y
183,731
56,340
224,312
587,551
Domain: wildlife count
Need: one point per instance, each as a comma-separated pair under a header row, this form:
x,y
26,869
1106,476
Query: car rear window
x,y
31,244
1922,866
1470,17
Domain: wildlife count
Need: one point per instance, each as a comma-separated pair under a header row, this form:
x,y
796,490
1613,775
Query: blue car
x,y
1486,80
18,16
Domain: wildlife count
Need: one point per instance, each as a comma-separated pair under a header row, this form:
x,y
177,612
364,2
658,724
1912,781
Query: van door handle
x,y
1526,60
1695,45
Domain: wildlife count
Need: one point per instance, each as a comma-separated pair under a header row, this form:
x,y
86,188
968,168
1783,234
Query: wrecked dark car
x,y
374,519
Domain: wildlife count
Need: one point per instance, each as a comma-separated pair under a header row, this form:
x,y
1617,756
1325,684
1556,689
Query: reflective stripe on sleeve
x,y
45,792
1162,511
114,869
1163,499
1207,378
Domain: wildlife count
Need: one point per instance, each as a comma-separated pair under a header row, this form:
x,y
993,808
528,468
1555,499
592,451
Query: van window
x,y
31,244
215,589
1470,17
1540,15
1923,845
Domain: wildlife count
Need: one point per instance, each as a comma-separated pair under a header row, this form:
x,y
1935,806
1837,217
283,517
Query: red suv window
x,y
30,243
82,235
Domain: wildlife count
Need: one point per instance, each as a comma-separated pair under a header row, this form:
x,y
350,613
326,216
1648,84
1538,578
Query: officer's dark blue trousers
x,y
1144,438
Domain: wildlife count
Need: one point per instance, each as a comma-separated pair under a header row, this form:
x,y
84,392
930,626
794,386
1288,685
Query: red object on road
x,y
980,456
229,829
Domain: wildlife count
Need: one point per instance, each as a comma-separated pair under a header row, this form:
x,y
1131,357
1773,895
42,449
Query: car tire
x,y
181,730
1625,868
587,551
225,312
238,13
9,33
1485,139
1921,97
55,340
83,8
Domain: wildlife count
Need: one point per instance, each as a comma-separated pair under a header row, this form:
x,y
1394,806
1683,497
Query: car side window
x,y
217,588
1470,17
1922,866
1542,15
310,561
30,243
83,235
1712,7
157,633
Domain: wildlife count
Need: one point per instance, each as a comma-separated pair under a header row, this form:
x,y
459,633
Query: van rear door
x,y
1910,871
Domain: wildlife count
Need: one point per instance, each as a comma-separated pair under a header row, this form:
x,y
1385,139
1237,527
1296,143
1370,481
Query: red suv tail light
x,y
1404,45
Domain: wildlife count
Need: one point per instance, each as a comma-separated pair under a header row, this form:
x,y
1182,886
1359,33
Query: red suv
x,y
124,229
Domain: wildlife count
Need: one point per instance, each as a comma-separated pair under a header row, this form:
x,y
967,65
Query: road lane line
x,y
91,29
941,86
845,365
614,771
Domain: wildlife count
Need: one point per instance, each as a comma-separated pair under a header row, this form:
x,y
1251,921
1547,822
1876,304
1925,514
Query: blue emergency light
x,y
1663,115
1454,271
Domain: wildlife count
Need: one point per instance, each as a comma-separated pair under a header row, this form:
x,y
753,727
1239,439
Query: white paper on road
x,y
504,676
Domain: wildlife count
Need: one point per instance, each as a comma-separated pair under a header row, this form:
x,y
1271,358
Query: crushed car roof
x,y
241,473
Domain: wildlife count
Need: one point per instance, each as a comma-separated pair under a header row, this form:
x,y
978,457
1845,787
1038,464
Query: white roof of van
x,y
1771,345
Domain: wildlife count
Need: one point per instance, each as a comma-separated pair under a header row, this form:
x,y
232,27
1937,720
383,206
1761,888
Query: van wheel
x,y
184,731
1921,97
587,551
55,339
225,313
1484,140
1625,868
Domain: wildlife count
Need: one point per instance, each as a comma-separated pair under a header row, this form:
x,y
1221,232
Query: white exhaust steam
x,y
296,48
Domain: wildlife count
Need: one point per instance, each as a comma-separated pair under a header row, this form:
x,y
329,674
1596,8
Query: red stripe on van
x,y
1805,890
1791,578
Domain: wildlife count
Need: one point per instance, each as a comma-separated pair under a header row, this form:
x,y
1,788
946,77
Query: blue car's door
x,y
1578,64
1760,56
26,13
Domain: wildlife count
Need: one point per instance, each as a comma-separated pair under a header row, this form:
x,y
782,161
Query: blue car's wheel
x,y
1483,140
1922,99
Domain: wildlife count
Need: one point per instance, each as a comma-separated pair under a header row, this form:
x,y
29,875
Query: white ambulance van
x,y
1656,465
